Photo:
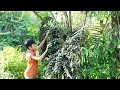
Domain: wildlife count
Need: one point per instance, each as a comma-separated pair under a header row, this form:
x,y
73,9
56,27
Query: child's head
x,y
30,44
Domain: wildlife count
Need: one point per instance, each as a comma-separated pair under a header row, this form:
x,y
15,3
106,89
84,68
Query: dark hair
x,y
28,43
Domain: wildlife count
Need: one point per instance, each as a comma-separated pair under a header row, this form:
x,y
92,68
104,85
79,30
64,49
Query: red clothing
x,y
31,69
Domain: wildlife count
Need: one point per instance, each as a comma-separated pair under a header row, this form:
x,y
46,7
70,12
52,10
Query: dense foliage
x,y
91,51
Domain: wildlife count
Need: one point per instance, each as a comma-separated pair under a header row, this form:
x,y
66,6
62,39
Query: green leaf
x,y
111,50
118,46
91,47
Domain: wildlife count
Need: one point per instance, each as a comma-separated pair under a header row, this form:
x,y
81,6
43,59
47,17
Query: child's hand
x,y
49,45
47,33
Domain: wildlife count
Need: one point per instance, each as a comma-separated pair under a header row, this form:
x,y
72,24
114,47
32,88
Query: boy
x,y
32,60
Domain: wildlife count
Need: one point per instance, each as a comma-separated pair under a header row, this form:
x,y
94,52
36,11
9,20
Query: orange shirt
x,y
31,69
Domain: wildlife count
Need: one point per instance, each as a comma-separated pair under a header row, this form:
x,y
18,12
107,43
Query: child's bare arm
x,y
39,58
42,56
42,43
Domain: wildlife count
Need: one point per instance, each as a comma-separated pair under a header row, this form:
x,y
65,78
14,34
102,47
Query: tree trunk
x,y
70,21
66,18
53,16
36,13
115,15
115,22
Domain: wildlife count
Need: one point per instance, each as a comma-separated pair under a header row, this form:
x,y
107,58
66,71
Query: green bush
x,y
99,59
16,27
14,61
